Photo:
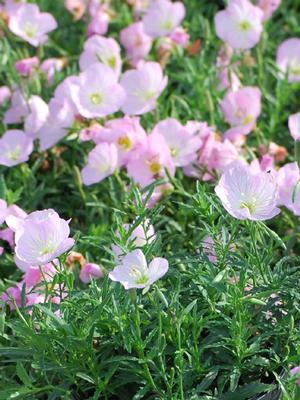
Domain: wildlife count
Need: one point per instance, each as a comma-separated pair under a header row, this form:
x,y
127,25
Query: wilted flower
x,y
248,195
288,59
143,86
31,25
15,148
134,272
42,237
90,271
163,17
240,25
97,92
102,162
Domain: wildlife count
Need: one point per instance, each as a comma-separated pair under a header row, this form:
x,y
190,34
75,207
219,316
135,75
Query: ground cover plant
x,y
149,199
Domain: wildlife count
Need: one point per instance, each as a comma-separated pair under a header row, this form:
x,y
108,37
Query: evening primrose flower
x,y
15,148
97,93
294,125
246,194
143,86
3,210
41,237
240,25
288,59
163,17
134,272
102,162
31,25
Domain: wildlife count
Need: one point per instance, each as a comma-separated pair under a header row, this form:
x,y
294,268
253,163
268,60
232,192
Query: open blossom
x,y
27,65
99,49
141,235
294,125
127,134
288,59
42,237
102,162
136,42
163,17
134,272
37,116
90,271
240,24
15,148
182,143
268,7
246,194
31,25
152,163
18,109
97,92
143,86
241,109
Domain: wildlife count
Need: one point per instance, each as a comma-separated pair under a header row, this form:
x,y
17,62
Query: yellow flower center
x,y
168,25
15,154
295,68
245,26
140,277
149,95
96,98
48,248
125,142
155,167
248,119
30,30
174,152
112,62
251,205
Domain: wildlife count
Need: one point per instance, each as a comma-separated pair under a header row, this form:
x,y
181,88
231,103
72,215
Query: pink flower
x,y
102,162
97,93
31,25
163,17
134,272
268,7
143,86
51,66
140,236
152,163
296,371
3,211
18,110
287,178
5,94
248,195
15,148
76,7
288,59
294,125
37,116
209,248
42,237
241,109
127,134
222,155
11,6
229,80
136,42
8,236
181,37
183,145
27,65
99,49
240,25
90,271
99,23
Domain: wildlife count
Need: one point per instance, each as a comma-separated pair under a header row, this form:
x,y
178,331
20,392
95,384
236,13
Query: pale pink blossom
x,y
287,178
5,94
182,143
240,24
143,86
7,235
136,42
153,162
37,116
10,6
268,7
102,162
18,110
26,66
90,271
92,133
241,110
163,17
51,66
97,92
248,195
99,23
296,371
294,125
31,25
76,7
101,50
42,237
15,148
181,37
3,210
288,59
134,272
